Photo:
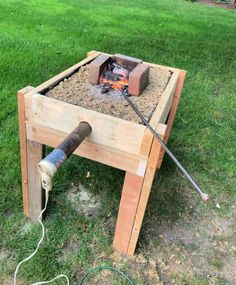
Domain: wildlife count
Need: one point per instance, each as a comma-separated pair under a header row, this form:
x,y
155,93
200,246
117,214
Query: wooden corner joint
x,y
23,146
161,129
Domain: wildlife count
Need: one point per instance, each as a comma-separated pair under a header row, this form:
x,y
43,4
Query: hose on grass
x,y
89,272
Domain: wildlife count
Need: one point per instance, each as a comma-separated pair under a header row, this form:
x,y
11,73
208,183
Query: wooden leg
x,y
145,191
127,211
31,154
133,202
35,192
155,160
173,110
23,146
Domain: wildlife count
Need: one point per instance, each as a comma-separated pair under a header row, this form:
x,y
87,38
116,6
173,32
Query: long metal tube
x,y
203,195
48,166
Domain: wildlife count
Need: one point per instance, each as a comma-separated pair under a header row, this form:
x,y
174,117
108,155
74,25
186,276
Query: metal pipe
x,y
48,166
203,195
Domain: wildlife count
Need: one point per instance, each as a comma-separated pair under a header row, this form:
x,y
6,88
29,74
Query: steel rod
x,y
203,195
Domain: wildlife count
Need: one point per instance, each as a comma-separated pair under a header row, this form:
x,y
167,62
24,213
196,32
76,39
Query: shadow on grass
x,y
168,199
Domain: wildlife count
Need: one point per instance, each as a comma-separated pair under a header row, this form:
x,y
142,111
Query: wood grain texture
x,y
132,200
144,195
171,117
36,194
23,146
146,143
92,53
107,155
127,209
107,130
163,108
155,160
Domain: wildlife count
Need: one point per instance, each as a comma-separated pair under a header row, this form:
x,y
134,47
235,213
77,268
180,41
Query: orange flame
x,y
114,84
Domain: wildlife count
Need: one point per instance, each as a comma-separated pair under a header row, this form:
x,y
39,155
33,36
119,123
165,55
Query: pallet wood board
x,y
23,146
134,197
106,130
35,193
94,151
145,192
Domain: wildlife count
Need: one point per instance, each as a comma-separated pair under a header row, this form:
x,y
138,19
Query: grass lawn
x,y
38,39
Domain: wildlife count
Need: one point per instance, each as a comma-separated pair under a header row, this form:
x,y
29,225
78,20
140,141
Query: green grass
x,y
38,39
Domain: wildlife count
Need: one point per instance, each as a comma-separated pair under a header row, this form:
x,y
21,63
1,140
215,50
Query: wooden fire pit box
x,y
122,144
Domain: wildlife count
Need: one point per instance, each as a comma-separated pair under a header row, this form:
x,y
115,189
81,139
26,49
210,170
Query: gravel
x,y
78,91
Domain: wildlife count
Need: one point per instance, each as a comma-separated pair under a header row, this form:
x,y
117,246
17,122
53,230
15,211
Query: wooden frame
x,y
124,145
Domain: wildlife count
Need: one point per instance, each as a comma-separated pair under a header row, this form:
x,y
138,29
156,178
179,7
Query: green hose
x,y
81,282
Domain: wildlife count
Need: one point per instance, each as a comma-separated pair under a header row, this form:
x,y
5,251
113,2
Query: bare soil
x,y
83,201
78,91
195,249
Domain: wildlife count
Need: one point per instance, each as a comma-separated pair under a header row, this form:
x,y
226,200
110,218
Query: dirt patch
x,y
217,4
197,246
78,91
137,268
83,201
26,228
193,247
6,268
229,269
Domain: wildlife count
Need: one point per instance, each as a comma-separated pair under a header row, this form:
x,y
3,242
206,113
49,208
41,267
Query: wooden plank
x,y
160,114
144,195
164,105
36,194
106,130
93,52
23,148
173,110
129,203
165,68
103,154
146,143
127,209
54,80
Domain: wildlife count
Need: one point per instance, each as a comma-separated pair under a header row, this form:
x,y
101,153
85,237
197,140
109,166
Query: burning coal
x,y
120,73
114,76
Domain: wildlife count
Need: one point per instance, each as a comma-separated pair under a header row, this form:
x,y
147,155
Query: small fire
x,y
114,77
114,84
